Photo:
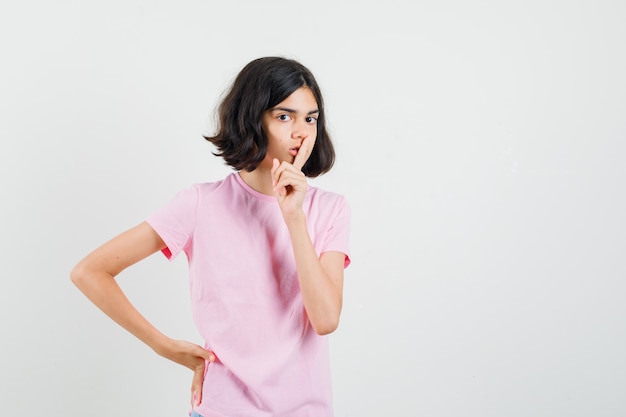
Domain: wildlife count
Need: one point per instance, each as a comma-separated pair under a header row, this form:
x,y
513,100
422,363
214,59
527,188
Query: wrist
x,y
295,219
162,345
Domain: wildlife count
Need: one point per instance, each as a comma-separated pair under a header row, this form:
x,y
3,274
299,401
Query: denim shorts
x,y
194,414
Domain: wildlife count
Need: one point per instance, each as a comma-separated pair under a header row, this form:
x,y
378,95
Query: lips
x,y
293,151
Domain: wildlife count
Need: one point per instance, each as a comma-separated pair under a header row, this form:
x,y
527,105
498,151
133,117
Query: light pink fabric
x,y
245,296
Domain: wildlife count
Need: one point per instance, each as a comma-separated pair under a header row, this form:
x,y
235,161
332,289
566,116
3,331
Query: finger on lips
x,y
301,156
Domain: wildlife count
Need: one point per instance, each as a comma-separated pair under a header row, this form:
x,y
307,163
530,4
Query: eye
x,y
284,117
311,120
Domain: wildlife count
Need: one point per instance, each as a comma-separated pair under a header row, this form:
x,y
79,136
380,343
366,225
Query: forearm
x,y
322,296
95,277
102,289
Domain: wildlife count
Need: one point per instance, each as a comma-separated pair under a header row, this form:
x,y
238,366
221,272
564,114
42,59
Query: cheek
x,y
273,134
278,132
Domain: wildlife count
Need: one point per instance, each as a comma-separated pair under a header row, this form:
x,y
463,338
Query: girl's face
x,y
288,124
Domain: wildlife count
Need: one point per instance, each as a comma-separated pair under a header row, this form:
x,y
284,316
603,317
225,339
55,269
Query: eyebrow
x,y
288,110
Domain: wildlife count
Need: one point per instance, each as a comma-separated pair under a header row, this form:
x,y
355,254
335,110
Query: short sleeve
x,y
175,222
338,234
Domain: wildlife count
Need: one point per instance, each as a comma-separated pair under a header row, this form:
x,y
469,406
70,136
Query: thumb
x,y
203,353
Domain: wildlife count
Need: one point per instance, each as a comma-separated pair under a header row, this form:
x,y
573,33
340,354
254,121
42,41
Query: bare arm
x,y
95,277
321,279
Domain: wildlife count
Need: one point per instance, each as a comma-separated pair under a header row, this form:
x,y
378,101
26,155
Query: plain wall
x,y
481,146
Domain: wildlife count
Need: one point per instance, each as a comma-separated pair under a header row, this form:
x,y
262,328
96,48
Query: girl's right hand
x,y
193,357
95,277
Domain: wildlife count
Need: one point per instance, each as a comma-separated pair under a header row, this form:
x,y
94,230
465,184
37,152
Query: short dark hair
x,y
259,86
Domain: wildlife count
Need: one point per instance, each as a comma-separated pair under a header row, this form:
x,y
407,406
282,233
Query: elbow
x,y
326,320
326,327
88,276
78,275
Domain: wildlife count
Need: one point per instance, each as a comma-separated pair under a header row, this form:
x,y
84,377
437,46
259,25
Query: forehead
x,y
301,100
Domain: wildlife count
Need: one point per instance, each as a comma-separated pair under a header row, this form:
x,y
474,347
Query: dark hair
x,y
259,86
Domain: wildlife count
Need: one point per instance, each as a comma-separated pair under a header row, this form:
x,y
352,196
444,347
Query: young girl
x,y
266,255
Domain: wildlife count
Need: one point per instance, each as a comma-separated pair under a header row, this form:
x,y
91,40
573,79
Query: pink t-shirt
x,y
245,296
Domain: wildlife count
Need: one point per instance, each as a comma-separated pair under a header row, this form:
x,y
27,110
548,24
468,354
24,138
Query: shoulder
x,y
194,193
206,188
327,204
324,196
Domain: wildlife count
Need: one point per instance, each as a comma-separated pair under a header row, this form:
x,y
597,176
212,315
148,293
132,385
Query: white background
x,y
481,145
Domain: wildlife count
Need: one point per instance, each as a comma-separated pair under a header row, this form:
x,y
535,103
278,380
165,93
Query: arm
x,y
95,277
321,279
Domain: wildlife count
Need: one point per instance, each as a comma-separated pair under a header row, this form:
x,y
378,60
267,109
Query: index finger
x,y
301,157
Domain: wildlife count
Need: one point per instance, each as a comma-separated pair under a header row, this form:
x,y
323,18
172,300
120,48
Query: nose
x,y
300,130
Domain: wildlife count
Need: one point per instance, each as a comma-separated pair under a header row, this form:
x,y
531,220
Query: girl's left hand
x,y
290,182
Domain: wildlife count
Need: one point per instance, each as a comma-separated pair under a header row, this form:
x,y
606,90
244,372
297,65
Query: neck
x,y
259,180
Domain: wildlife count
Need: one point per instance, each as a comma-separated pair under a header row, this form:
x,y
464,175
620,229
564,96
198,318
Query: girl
x,y
266,254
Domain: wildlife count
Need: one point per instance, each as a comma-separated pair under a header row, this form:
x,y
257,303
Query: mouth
x,y
294,151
